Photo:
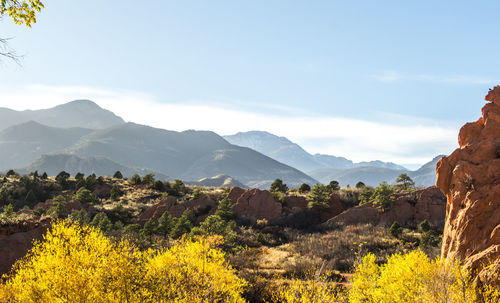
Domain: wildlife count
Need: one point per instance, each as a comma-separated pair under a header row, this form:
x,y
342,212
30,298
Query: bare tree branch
x,y
8,52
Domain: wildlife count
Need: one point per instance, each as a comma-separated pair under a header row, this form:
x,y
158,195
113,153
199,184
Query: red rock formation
x,y
295,204
335,208
202,208
257,204
409,210
16,240
470,179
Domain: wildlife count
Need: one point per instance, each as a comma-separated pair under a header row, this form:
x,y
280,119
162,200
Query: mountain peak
x,y
78,113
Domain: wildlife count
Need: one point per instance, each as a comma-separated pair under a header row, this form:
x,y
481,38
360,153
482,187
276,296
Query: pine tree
x,y
225,209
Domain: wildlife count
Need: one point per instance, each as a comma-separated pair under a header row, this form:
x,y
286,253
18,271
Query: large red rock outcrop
x,y
16,239
470,179
408,209
257,204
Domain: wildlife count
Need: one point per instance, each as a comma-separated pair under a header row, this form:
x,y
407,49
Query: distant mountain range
x,y
326,168
82,137
285,151
188,155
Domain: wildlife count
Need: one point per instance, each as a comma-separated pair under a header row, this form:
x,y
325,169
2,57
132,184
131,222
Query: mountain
x,y
285,151
378,163
187,155
217,181
333,162
54,164
426,174
79,113
22,144
278,148
370,175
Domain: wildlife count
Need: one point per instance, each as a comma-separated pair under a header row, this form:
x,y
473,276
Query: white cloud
x,y
359,140
393,76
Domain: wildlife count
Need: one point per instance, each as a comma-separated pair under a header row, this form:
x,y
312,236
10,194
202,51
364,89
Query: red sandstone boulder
x,y
470,179
154,212
295,204
235,193
257,204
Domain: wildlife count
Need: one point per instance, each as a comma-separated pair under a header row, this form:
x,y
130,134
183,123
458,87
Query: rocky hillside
x,y
470,179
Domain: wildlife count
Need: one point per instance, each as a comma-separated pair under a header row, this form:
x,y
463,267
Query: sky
x,y
387,80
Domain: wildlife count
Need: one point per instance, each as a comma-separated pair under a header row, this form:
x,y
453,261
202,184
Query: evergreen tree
x,y
135,179
165,224
319,196
148,230
183,225
278,186
115,192
304,188
225,209
395,230
383,196
85,196
334,185
102,222
118,175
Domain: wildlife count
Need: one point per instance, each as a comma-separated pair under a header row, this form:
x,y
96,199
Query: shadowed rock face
x,y
255,204
408,210
16,240
470,179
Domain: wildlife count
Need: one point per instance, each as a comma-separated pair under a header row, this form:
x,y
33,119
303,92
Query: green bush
x,y
304,188
85,196
395,230
383,197
278,186
319,196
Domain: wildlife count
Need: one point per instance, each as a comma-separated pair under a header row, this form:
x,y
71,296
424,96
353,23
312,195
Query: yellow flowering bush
x,y
192,271
79,264
413,277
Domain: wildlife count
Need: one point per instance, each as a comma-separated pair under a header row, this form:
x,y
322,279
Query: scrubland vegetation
x,y
98,250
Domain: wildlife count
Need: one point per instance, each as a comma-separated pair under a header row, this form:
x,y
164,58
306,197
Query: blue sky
x,y
389,80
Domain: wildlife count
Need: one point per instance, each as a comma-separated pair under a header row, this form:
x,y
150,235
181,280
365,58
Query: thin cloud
x,y
359,140
394,76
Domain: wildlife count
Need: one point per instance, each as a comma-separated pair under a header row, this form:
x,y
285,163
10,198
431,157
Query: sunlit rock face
x,y
470,179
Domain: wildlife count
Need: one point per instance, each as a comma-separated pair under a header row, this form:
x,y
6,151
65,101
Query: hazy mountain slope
x,y
217,181
426,175
368,175
22,144
245,164
278,148
189,155
53,164
378,163
79,113
333,161
287,152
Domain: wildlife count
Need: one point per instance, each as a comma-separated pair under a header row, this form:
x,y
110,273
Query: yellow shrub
x,y
76,263
192,272
310,291
79,264
412,278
